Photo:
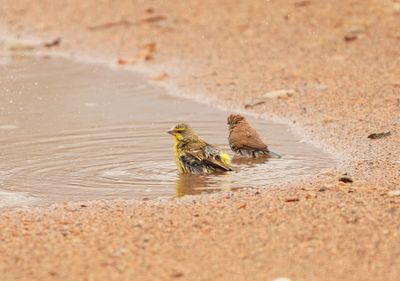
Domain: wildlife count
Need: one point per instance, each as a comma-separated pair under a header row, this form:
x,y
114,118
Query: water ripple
x,y
55,147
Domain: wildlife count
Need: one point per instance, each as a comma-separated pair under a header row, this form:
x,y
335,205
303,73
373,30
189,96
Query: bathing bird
x,y
195,156
244,140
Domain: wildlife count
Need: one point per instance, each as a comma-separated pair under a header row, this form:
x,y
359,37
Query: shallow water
x,y
72,131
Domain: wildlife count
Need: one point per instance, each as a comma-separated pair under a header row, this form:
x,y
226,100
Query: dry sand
x,y
341,59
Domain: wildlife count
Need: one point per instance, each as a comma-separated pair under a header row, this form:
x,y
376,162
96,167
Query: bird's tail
x,y
274,154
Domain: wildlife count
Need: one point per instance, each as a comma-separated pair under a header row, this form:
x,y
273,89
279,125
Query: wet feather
x,y
244,140
195,156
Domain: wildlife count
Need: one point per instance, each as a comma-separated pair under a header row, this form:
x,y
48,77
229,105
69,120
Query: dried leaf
x,y
243,206
147,52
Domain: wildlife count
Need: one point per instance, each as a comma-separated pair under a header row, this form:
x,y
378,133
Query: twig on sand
x,y
154,18
53,43
375,136
124,22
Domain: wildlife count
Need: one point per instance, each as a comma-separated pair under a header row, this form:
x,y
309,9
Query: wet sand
x,y
342,61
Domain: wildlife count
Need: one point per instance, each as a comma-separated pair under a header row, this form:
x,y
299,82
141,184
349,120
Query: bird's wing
x,y
246,137
208,154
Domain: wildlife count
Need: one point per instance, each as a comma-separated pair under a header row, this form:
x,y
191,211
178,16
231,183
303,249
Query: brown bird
x,y
244,140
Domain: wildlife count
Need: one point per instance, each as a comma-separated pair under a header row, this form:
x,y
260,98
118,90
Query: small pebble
x,y
311,196
322,189
177,275
394,193
345,179
353,33
396,7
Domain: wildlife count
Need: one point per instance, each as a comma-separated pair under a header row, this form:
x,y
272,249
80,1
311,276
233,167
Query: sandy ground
x,y
341,62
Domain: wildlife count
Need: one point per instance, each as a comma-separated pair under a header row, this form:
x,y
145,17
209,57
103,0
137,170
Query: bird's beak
x,y
171,132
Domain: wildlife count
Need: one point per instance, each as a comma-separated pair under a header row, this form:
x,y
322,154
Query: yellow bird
x,y
195,156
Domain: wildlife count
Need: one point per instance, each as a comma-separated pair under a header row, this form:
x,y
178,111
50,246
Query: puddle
x,y
71,131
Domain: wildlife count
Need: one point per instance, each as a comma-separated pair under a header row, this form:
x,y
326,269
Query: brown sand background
x,y
342,58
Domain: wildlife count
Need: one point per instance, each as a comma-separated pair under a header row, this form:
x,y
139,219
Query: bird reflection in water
x,y
192,184
189,184
249,162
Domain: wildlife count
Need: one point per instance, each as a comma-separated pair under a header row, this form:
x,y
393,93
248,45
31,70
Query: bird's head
x,y
182,131
234,119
